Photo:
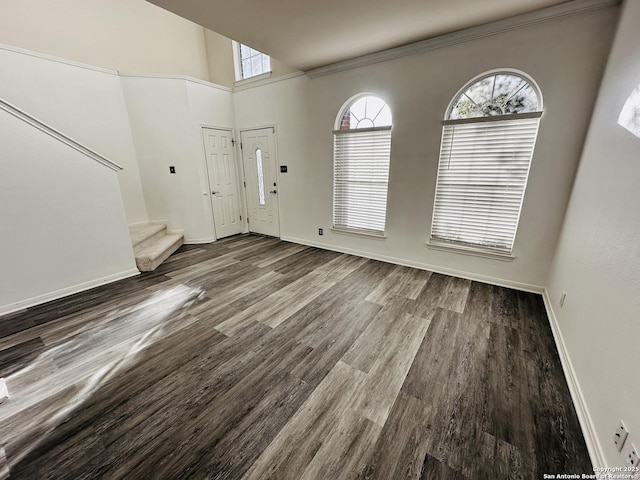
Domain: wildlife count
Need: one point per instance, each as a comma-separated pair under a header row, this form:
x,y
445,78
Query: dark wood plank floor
x,y
260,359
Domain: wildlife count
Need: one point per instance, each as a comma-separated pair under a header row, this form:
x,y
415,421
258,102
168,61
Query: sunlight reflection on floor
x,y
70,370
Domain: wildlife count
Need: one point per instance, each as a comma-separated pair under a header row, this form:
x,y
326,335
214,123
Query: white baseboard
x,y
525,287
47,297
586,423
4,465
197,241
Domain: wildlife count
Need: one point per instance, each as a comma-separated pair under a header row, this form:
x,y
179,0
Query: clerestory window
x,y
250,62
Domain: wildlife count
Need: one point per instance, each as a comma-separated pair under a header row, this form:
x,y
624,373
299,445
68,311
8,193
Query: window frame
x,y
338,131
457,246
237,63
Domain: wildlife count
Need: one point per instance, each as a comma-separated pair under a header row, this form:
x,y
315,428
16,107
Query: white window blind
x,y
482,175
361,175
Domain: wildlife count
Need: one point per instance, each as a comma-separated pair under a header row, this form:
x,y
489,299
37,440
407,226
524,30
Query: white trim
x,y
469,250
586,423
197,241
237,70
176,77
61,137
251,129
257,82
217,127
544,15
525,287
255,78
252,82
386,128
494,118
358,233
48,297
52,58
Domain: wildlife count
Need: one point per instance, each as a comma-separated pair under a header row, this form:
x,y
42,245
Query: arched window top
x,y
364,111
630,115
496,93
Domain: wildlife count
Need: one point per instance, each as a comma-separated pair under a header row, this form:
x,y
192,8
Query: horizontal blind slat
x,y
361,175
482,174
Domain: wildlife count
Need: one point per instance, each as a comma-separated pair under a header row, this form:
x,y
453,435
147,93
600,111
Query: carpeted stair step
x,y
144,235
152,255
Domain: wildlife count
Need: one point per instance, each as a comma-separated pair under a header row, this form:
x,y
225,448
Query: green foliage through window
x,y
501,94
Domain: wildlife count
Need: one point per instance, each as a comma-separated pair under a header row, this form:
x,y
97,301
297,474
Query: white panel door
x,y
260,173
223,181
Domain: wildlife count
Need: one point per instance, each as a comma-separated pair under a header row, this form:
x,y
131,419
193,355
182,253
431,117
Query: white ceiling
x,y
307,34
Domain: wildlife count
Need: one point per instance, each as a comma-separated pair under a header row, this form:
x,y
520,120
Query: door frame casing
x,y
239,176
245,203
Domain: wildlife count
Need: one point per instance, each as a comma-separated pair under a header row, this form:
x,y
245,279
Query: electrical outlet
x,y
562,299
620,435
632,456
320,231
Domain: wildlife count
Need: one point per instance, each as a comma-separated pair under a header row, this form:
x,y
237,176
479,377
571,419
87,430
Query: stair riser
x,y
150,264
149,240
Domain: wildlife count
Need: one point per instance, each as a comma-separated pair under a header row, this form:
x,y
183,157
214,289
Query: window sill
x,y
244,81
358,233
469,250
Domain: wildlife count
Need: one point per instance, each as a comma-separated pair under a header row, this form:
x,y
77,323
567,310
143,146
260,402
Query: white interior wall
x,y
597,262
62,212
283,104
85,104
596,257
132,36
418,89
166,116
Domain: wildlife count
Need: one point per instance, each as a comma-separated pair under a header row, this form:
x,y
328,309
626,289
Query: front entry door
x,y
223,181
260,167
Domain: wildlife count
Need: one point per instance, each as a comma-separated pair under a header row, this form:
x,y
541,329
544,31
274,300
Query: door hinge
x,y
240,145
248,221
245,184
240,217
233,142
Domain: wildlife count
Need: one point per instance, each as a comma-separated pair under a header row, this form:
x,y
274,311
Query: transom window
x,y
496,94
362,148
251,62
488,138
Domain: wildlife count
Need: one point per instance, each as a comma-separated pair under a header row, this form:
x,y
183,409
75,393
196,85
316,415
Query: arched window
x,y
630,114
488,137
361,152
